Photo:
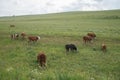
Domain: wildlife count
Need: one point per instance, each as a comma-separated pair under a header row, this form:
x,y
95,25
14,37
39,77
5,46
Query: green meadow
x,y
18,57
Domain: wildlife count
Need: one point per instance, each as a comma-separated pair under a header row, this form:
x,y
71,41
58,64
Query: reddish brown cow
x,y
23,35
87,39
33,38
91,34
104,47
41,58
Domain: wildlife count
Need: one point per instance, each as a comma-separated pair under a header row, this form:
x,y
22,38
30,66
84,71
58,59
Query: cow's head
x,y
38,37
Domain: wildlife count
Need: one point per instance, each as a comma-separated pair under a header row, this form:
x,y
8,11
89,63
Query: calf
x,y
41,58
71,47
23,35
104,47
33,38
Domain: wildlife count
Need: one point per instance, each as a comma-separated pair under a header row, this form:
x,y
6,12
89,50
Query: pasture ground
x,y
18,57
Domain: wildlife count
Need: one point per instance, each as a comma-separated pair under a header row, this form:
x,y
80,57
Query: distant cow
x,y
92,35
12,25
23,35
33,38
87,39
104,47
71,47
15,36
41,58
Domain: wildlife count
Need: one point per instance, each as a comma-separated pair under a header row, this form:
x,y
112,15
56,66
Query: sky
x,y
28,7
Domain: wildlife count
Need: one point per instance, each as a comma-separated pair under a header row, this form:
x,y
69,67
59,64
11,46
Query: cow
x,y
15,36
87,39
33,38
12,25
41,59
92,35
103,47
71,47
23,35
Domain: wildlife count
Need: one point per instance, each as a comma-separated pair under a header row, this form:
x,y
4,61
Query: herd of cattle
x,y
23,36
41,58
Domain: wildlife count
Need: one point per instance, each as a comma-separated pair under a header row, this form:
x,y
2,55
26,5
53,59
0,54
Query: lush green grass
x,y
18,58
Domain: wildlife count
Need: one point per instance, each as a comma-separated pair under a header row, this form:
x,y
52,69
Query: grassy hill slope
x,y
18,57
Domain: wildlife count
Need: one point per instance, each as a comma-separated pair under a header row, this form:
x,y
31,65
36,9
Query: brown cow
x,y
12,25
104,47
41,58
23,35
87,39
91,34
33,38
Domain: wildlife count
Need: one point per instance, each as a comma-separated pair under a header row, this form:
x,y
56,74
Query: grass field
x,y
18,57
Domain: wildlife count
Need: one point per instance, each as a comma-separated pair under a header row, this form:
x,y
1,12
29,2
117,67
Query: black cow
x,y
71,47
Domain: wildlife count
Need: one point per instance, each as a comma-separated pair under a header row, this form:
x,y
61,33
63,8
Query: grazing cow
x,y
15,36
104,47
41,58
91,34
23,35
33,38
71,47
12,25
87,39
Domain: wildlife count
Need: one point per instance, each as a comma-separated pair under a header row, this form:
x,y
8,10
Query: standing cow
x,y
12,25
23,35
41,59
71,47
87,39
103,47
92,35
33,38
15,36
